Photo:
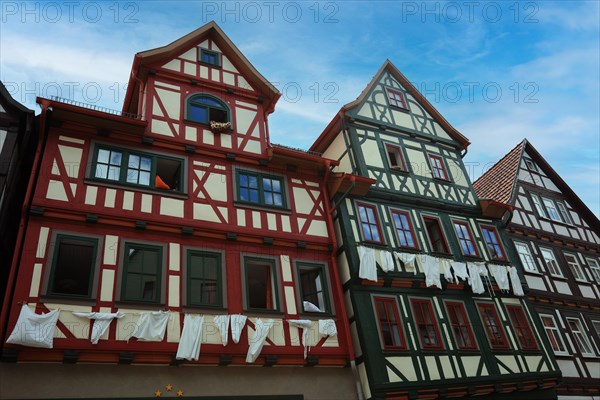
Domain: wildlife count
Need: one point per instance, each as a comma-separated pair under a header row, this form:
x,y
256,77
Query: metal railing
x,y
314,153
95,107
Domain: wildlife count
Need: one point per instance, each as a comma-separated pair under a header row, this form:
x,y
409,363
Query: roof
x,y
329,133
9,101
498,182
144,58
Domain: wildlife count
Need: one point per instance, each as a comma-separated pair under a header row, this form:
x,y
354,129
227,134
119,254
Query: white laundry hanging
x,y
222,324
151,326
34,330
447,269
386,261
408,259
258,341
191,338
500,274
475,279
368,265
327,328
431,267
101,322
310,307
305,325
460,270
516,282
237,325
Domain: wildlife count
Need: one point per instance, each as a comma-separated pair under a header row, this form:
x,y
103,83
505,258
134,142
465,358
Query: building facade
x,y
424,262
173,248
558,241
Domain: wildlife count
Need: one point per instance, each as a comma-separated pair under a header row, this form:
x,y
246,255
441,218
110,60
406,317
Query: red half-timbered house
x,y
178,207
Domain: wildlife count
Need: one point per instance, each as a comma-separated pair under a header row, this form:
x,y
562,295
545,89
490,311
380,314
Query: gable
x,y
531,172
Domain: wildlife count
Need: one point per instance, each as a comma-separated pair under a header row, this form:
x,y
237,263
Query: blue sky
x,y
499,71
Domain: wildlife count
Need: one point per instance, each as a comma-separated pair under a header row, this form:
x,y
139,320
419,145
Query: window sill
x,y
123,186
203,309
399,171
472,258
315,316
219,66
442,255
560,277
443,181
141,305
538,273
207,126
553,221
264,313
260,207
582,281
503,261
375,245
405,110
413,250
54,299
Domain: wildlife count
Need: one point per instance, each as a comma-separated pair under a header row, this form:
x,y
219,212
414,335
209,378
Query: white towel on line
x,y
368,265
222,324
431,267
191,338
305,325
151,326
327,328
258,341
386,261
408,259
237,325
34,330
475,279
101,322
447,269
500,274
310,307
516,282
460,271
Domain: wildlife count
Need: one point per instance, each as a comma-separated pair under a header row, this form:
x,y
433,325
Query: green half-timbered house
x,y
404,202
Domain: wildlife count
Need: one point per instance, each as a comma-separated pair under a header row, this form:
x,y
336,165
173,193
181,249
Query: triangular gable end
x,y
391,100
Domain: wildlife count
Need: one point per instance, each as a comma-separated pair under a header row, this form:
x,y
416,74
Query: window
x,y
73,267
396,99
369,223
492,241
435,234
596,325
142,273
538,205
404,229
493,327
204,279
530,165
553,333
564,214
426,324
265,190
210,57
395,158
574,267
438,168
204,109
465,239
460,325
137,169
521,327
580,336
551,209
550,261
260,284
390,327
313,287
595,267
525,256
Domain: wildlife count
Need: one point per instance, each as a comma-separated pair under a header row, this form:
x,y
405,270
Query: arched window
x,y
204,109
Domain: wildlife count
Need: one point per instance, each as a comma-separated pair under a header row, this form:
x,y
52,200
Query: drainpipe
x,y
336,278
35,169
140,95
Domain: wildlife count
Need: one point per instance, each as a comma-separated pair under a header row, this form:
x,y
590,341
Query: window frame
x,y
520,324
202,51
470,238
451,325
530,164
563,212
191,98
504,345
492,230
434,324
579,336
260,176
126,152
393,301
221,282
523,262
374,208
393,101
50,267
442,167
594,269
538,205
551,270
273,263
160,274
411,228
443,234
555,336
400,166
325,282
577,272
551,209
